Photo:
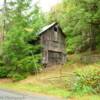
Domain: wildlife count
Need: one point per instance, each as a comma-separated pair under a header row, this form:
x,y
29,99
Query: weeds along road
x,y
9,95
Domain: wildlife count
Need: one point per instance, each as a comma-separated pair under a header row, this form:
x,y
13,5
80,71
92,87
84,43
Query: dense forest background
x,y
20,21
80,21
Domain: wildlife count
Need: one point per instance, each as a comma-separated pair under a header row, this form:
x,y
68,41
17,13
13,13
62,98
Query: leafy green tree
x,y
80,21
20,56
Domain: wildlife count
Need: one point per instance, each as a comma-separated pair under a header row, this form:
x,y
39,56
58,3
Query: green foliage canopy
x,y
78,18
24,23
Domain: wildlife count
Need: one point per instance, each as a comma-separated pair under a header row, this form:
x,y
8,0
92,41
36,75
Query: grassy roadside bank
x,y
45,89
46,83
36,88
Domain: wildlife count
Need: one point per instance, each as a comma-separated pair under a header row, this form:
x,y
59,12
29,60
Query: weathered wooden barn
x,y
52,40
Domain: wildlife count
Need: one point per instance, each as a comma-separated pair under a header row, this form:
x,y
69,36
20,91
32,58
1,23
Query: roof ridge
x,y
46,28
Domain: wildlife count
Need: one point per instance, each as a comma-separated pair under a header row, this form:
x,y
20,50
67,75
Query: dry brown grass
x,y
5,80
48,79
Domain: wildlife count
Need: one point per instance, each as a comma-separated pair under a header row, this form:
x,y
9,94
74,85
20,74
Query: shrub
x,y
1,63
87,80
16,76
3,72
24,67
29,64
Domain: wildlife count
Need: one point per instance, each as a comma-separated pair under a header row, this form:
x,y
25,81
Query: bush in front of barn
x,y
86,81
15,76
31,64
3,70
25,67
22,68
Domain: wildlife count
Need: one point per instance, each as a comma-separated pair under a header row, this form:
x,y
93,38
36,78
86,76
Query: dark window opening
x,y
55,33
55,29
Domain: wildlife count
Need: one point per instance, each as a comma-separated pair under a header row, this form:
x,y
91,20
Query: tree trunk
x,y
4,21
92,38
